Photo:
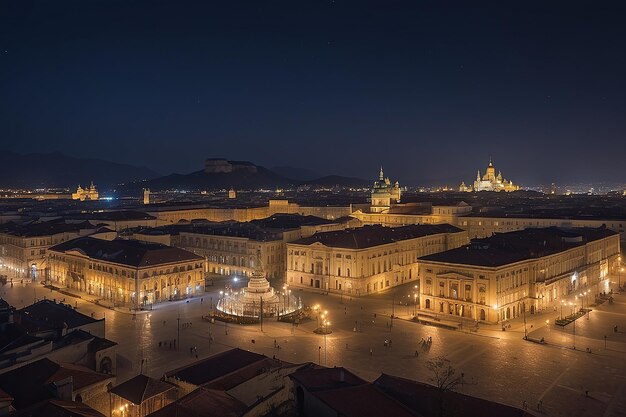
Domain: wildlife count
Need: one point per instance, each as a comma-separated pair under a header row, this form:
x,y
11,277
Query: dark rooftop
x,y
214,367
120,215
127,252
424,400
326,378
284,221
364,400
375,235
506,248
54,315
48,228
58,408
203,403
140,388
243,374
29,384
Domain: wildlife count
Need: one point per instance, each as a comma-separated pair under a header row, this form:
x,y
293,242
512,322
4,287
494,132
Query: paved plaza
x,y
497,365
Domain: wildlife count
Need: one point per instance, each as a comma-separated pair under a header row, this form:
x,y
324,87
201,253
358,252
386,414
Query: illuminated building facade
x,y
490,182
24,247
231,249
126,272
368,259
83,194
509,274
384,193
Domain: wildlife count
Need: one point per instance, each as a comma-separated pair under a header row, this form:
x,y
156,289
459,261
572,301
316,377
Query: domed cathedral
x,y
83,194
490,181
384,194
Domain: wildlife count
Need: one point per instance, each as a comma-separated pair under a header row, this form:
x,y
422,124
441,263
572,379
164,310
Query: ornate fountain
x,y
258,298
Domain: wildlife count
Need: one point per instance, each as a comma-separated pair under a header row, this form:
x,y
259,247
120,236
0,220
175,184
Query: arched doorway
x,y
427,303
482,314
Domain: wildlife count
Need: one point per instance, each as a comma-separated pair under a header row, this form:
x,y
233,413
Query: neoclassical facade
x,y
126,272
24,247
231,249
366,260
501,277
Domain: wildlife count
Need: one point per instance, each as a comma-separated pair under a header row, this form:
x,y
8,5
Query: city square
x,y
312,209
550,379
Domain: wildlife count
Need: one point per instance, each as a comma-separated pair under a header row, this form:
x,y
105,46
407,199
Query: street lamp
x,y
326,324
561,315
575,305
582,301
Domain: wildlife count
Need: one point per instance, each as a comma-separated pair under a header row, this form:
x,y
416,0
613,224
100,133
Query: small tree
x,y
443,377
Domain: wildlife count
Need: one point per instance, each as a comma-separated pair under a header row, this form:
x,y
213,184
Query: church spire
x,y
381,176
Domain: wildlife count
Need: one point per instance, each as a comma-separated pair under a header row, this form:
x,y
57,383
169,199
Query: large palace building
x,y
126,272
368,259
490,182
508,274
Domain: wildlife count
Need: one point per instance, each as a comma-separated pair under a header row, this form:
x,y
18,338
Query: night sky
x,y
430,89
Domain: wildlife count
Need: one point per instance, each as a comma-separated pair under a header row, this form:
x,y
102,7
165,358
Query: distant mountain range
x,y
248,177
56,170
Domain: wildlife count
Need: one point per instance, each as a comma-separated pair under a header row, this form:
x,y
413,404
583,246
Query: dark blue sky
x,y
430,89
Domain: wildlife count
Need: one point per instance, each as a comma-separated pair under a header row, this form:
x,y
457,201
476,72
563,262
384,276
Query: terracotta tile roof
x,y
140,388
55,314
326,378
215,367
203,403
363,401
58,408
424,399
29,384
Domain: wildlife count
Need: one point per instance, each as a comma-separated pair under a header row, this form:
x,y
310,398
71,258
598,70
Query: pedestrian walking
x,y
416,354
371,351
